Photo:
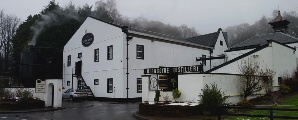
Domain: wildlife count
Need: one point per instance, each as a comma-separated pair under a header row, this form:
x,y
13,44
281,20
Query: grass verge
x,y
290,101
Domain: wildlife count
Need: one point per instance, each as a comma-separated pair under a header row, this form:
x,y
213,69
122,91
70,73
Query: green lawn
x,y
290,101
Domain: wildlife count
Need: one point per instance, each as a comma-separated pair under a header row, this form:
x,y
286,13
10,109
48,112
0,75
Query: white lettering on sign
x,y
40,86
169,70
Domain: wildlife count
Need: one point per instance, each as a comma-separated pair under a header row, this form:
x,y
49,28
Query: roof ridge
x,y
139,29
154,33
202,35
252,38
244,41
288,35
116,25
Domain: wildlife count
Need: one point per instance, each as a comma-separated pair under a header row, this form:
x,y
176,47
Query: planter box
x,y
15,105
169,110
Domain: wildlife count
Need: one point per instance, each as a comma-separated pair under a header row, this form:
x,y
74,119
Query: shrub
x,y
212,99
291,83
176,94
157,95
6,94
245,103
24,95
284,89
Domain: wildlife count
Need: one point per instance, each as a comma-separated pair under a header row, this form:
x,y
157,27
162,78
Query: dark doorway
x,y
53,96
78,68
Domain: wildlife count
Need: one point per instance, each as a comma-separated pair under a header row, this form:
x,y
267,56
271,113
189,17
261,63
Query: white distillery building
x,y
108,60
275,51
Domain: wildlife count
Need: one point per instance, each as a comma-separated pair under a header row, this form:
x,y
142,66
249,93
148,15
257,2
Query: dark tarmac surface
x,y
81,110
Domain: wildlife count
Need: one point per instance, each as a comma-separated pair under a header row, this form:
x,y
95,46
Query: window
x,y
221,43
204,61
80,55
110,85
140,51
96,81
69,60
139,85
96,55
110,52
68,83
279,80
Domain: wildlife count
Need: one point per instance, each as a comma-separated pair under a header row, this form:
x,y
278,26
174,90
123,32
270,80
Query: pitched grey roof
x,y
207,39
262,40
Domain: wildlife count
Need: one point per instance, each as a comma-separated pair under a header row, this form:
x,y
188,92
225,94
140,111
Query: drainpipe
x,y
125,30
72,78
210,59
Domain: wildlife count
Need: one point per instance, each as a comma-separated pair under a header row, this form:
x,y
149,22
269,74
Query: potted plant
x,y
176,94
157,95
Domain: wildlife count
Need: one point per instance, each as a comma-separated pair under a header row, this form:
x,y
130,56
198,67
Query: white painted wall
x,y
279,58
295,45
156,54
47,96
233,54
231,85
57,83
284,61
219,50
276,57
104,35
191,86
32,90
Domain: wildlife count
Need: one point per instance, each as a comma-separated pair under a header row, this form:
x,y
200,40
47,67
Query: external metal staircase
x,y
81,82
82,85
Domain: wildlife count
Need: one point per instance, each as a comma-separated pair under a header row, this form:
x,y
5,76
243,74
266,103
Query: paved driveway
x,y
84,110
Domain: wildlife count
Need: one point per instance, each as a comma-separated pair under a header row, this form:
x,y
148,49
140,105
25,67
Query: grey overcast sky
x,y
205,15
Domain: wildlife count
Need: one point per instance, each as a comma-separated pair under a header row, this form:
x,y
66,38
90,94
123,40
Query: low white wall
x,y
32,90
47,96
191,86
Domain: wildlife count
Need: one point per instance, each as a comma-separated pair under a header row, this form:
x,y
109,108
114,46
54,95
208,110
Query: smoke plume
x,y
52,18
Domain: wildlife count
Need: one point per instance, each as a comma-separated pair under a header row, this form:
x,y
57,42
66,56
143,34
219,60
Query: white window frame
x,y
110,52
139,85
96,55
69,60
110,85
140,52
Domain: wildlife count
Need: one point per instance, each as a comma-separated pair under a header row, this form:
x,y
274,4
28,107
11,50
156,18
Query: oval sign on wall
x,y
87,39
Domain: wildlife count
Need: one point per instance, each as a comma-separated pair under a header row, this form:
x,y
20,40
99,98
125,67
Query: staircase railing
x,y
84,86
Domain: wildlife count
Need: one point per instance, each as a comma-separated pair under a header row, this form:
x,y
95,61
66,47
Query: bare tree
x,y
261,26
8,27
187,32
255,79
293,26
111,8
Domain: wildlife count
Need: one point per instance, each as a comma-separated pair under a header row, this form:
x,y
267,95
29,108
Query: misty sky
x,y
205,15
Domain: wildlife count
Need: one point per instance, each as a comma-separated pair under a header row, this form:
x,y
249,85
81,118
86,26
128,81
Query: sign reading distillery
x,y
87,39
170,70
